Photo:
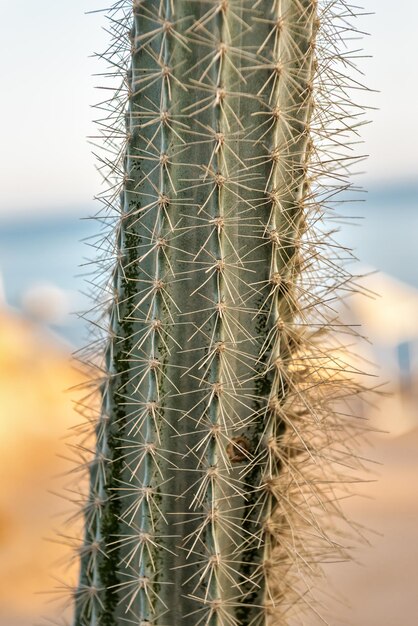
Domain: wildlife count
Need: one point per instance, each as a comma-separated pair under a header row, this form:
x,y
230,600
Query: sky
x,y
48,89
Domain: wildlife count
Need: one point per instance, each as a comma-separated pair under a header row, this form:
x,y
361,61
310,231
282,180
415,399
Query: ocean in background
x,y
382,230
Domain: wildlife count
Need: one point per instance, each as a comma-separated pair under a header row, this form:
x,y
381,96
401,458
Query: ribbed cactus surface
x,y
218,436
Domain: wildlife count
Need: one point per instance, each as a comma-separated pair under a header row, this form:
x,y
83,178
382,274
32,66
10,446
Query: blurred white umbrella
x,y
47,303
390,313
389,317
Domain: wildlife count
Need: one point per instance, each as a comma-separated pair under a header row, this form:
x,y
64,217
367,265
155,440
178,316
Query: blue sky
x,y
48,91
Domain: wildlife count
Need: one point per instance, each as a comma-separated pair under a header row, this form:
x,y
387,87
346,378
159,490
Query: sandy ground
x,y
34,416
381,587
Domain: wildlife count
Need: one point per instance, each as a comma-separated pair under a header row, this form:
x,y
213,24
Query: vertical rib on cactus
x,y
287,53
217,440
148,463
212,570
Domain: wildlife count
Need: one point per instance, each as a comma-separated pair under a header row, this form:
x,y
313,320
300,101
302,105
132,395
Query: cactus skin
x,y
218,436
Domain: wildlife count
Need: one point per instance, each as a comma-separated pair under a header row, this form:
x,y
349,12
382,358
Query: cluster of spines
x,y
256,391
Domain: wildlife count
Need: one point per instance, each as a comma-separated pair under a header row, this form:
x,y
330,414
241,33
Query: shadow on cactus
x,y
224,442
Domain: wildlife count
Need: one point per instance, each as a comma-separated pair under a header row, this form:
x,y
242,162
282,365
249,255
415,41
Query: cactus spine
x,y
218,437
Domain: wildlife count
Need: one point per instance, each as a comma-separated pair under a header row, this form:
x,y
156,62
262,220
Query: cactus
x,y
223,428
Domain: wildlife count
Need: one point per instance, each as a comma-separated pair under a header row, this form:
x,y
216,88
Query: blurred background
x,y
47,188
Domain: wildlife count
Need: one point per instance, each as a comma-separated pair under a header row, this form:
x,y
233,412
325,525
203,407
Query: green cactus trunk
x,y
213,408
